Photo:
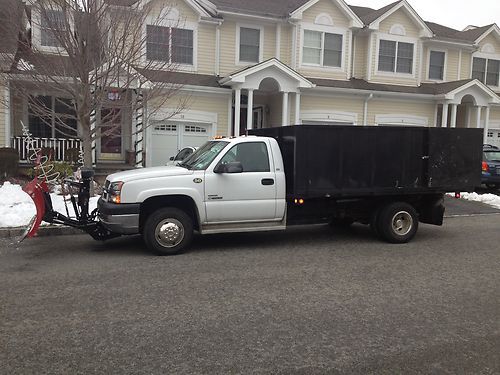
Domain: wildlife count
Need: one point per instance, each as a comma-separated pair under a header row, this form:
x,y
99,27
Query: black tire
x,y
397,222
168,231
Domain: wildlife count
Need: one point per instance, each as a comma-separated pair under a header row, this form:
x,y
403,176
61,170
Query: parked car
x,y
182,155
491,167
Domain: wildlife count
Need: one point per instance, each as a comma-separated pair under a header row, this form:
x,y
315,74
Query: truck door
x,y
249,195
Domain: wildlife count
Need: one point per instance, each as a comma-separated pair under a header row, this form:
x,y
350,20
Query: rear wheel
x,y
168,231
397,222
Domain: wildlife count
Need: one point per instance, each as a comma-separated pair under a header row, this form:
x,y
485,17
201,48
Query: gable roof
x,y
368,15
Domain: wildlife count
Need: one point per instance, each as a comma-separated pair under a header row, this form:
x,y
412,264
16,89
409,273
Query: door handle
x,y
267,181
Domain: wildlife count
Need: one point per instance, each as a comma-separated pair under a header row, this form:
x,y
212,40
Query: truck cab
x,y
227,185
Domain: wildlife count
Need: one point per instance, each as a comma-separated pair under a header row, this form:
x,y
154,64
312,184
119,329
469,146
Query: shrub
x,y
9,162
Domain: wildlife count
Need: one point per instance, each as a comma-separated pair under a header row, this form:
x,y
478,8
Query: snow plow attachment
x,y
38,190
39,193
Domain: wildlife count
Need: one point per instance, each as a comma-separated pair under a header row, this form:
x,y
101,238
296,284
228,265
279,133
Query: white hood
x,y
145,173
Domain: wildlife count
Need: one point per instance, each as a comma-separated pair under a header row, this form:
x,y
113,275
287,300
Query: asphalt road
x,y
309,301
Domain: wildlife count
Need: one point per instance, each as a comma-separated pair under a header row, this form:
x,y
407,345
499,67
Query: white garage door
x,y
493,137
170,137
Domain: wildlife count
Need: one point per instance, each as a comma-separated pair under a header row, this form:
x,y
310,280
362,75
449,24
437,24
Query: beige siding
x,y
206,49
275,103
360,56
452,59
466,68
328,7
286,44
227,47
333,104
402,18
213,103
490,39
186,13
269,42
495,117
400,107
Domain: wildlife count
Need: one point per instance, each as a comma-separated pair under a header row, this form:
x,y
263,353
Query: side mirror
x,y
233,167
172,158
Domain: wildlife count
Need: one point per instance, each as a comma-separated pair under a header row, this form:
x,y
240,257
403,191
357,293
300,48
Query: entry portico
x,y
269,76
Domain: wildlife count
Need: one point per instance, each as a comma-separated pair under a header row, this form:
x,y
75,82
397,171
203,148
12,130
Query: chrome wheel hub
x,y
169,232
402,223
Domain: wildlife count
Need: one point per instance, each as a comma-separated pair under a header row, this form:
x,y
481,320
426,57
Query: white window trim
x,y
396,38
401,119
329,116
37,32
261,43
175,24
429,64
487,56
324,29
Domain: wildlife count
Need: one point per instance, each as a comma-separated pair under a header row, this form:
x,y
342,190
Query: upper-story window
x,y
250,45
169,44
51,23
321,48
436,65
395,57
486,70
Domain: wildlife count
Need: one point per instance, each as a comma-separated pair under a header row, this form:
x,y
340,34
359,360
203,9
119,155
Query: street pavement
x,y
311,300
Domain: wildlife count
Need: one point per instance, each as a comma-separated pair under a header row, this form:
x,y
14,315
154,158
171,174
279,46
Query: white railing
x,y
59,146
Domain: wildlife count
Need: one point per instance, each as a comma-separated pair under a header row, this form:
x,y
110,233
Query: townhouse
x,y
252,64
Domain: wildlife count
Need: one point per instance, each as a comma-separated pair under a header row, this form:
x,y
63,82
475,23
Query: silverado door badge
x,y
197,180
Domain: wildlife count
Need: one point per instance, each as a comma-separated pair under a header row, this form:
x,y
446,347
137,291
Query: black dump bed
x,y
376,160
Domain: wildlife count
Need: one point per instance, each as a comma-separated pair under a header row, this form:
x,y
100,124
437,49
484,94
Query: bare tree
x,y
89,54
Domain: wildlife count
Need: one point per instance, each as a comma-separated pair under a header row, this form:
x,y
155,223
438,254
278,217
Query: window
x,y
322,48
396,57
249,44
486,70
436,65
252,156
169,44
52,22
51,117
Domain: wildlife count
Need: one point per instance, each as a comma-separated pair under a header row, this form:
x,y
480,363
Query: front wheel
x,y
397,222
168,231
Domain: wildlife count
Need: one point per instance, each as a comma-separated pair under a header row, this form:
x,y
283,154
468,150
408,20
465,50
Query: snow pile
x,y
490,199
17,209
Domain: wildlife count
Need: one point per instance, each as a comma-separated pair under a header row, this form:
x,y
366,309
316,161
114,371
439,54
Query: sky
x,y
452,13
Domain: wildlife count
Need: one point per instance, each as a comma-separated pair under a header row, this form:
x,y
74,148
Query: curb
x,y
45,231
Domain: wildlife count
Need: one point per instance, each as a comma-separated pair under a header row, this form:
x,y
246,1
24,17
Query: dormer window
x,y
395,57
250,45
322,48
436,65
51,23
169,44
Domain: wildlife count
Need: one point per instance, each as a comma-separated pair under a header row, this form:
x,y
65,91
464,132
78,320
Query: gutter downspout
x,y
365,109
217,49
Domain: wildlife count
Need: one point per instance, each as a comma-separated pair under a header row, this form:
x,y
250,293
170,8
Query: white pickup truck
x,y
244,184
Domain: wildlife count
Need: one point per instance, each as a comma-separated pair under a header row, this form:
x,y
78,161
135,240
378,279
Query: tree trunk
x,y
87,141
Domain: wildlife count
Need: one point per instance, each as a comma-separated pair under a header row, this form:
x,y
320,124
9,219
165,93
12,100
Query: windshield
x,y
492,156
201,158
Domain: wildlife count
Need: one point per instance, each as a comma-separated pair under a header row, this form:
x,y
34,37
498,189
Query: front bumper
x,y
119,218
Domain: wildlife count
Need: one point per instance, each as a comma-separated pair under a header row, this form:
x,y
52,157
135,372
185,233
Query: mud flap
x,y
39,193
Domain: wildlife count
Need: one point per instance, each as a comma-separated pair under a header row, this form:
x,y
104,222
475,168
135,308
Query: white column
x,y
297,109
7,115
453,123
486,124
444,117
237,112
217,50
284,114
436,112
478,117
250,110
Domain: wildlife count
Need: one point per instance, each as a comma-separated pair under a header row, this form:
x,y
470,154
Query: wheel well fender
x,y
182,202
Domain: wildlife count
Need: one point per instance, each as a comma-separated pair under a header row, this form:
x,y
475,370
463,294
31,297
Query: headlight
x,y
114,191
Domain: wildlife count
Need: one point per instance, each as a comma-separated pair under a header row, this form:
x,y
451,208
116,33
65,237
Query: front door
x,y
247,196
111,134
